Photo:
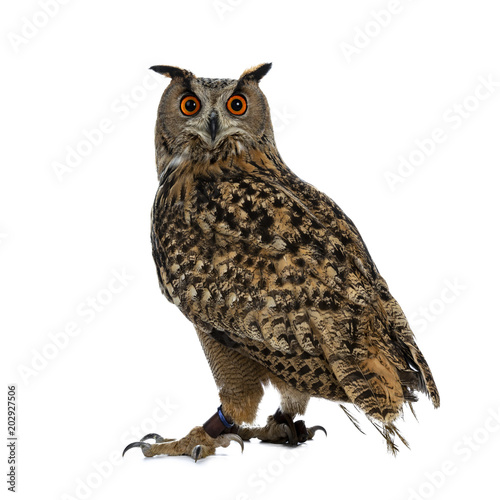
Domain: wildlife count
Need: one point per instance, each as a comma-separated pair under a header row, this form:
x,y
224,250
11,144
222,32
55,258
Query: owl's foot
x,y
280,429
197,444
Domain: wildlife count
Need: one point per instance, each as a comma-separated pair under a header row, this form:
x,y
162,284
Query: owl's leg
x,y
239,380
280,427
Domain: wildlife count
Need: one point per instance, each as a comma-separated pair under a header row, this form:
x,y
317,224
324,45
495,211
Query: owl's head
x,y
205,114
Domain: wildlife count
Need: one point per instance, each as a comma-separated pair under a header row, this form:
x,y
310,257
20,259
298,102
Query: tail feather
x,y
353,419
380,367
389,432
429,385
414,371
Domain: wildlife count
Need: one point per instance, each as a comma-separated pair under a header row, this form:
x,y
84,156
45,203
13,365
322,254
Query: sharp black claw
x,y
313,430
196,453
139,444
288,432
156,437
235,437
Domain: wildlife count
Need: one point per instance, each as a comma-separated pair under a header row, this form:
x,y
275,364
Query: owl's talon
x,y
145,447
311,431
196,452
156,437
291,438
301,431
233,437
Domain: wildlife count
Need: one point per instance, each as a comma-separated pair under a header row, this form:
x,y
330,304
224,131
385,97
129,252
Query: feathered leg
x,y
239,380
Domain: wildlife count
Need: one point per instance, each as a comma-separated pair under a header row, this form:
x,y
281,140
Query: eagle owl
x,y
274,276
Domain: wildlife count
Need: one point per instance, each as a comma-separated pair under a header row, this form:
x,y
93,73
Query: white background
x,y
343,118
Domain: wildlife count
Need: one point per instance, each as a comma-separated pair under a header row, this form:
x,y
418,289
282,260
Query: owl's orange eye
x,y
237,105
190,105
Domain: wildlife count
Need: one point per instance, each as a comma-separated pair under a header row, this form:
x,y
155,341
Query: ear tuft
x,y
256,73
173,72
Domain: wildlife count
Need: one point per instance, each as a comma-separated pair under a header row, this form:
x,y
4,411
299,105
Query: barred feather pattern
x,y
271,267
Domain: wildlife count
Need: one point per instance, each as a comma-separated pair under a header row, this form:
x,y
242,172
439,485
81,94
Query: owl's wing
x,y
297,278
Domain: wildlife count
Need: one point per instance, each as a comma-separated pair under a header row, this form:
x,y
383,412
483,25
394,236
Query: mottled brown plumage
x,y
275,277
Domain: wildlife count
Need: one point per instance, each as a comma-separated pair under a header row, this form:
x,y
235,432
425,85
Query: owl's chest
x,y
208,241
181,250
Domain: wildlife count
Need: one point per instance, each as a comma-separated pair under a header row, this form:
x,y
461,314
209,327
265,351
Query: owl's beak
x,y
213,125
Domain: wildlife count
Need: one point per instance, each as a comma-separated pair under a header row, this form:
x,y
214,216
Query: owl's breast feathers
x,y
271,267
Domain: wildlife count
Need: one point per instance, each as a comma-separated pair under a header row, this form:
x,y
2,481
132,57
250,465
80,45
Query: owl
x,y
275,278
